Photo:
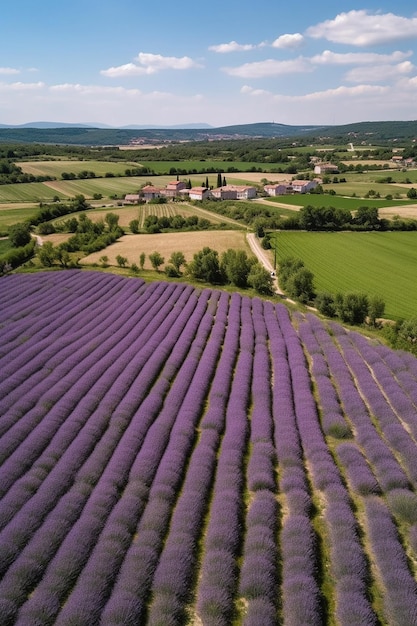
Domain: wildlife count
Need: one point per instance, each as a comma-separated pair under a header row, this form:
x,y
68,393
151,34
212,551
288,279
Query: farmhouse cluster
x,y
179,189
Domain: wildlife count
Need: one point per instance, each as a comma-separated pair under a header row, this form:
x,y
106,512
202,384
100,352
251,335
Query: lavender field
x,y
172,456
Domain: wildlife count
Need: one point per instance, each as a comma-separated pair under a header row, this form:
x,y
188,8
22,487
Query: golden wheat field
x,y
132,246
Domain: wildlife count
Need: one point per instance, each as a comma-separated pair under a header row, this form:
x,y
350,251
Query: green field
x,y
13,214
325,200
55,168
374,263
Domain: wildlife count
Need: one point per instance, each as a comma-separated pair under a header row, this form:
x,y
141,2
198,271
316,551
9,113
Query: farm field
x,y
128,213
55,168
16,212
165,461
325,200
374,263
189,243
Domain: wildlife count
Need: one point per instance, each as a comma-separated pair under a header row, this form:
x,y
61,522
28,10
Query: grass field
x,y
375,263
14,213
325,200
55,168
132,246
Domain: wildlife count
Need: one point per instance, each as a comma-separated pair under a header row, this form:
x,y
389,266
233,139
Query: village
x,y
178,189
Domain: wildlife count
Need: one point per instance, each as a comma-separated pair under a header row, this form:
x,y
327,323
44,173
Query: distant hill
x,y
86,135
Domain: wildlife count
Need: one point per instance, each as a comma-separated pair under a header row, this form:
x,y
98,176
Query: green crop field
x,y
55,168
374,263
27,192
325,200
13,214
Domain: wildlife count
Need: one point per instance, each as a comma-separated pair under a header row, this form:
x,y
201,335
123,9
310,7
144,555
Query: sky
x,y
160,63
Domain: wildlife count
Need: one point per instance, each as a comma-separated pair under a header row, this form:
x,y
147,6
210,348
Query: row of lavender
x,y
164,461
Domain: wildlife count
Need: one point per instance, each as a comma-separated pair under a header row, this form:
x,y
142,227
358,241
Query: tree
x,y
142,260
46,254
260,279
19,235
104,260
367,217
219,180
412,193
205,266
300,285
134,226
177,259
236,265
324,303
351,307
156,260
112,221
376,308
121,260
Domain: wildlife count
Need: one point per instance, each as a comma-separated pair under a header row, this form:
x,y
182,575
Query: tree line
x,y
232,267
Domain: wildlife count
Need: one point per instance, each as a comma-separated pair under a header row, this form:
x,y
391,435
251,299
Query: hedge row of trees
x,y
232,267
154,224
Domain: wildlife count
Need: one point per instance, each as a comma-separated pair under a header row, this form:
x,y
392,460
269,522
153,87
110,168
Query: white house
x,y
198,193
150,192
245,192
172,189
132,198
326,168
224,193
277,189
303,186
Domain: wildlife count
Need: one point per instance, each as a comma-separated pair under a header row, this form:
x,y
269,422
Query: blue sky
x,y
224,62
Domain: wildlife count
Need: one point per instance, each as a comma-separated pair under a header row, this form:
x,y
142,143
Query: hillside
x,y
181,456
89,136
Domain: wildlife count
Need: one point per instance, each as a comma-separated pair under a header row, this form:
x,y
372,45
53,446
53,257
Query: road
x,y
262,257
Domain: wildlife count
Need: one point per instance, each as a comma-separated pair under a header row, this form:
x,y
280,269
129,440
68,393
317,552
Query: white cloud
x,y
379,73
19,86
128,69
288,41
232,46
9,71
347,94
149,63
361,28
270,67
246,89
358,58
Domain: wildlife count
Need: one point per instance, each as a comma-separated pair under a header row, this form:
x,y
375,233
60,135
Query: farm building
x,y
198,193
150,192
326,168
277,189
172,189
132,198
234,192
303,186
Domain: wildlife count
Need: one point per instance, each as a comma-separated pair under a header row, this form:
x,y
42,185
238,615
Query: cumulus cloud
x,y
270,67
19,86
232,46
8,71
288,41
379,73
246,89
362,28
148,63
358,58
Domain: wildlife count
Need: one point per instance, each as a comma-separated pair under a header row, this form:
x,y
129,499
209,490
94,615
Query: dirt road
x,y
263,258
